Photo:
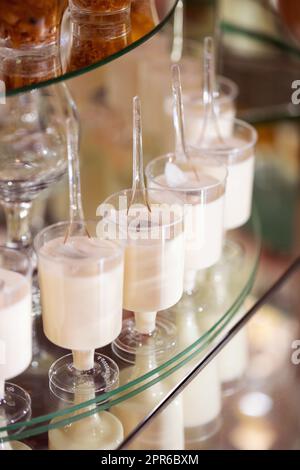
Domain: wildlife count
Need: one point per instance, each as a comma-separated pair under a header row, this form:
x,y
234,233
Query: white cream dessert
x,y
81,288
239,187
153,275
204,206
15,324
154,261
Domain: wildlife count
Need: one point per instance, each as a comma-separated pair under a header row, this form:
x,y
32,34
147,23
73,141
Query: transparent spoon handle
x,y
178,117
76,210
209,74
177,45
138,182
209,86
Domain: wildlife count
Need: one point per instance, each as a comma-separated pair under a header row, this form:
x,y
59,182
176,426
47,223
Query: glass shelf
x,y
38,64
209,308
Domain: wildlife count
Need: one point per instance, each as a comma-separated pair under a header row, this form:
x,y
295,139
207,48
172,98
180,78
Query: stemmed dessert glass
x,y
33,154
81,281
232,142
200,183
15,339
149,224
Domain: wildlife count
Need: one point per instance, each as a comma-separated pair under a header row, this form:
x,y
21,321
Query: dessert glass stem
x,y
17,219
83,360
145,322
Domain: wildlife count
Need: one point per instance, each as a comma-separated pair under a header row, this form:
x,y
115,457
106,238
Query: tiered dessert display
x,y
158,247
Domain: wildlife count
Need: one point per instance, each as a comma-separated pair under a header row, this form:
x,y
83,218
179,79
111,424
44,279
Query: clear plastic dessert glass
x,y
153,238
155,91
15,338
81,282
237,152
200,183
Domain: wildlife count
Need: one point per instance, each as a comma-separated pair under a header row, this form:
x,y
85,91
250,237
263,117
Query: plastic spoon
x,y
177,45
178,118
209,86
76,210
138,182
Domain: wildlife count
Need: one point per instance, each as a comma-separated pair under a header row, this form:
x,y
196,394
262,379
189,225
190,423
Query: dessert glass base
x,y
65,379
16,404
131,342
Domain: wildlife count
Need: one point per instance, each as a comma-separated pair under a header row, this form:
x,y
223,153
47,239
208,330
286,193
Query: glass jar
x,y
97,31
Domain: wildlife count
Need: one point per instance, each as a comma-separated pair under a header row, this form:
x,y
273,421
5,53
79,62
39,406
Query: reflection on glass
x,y
29,41
166,430
202,397
99,431
225,279
144,17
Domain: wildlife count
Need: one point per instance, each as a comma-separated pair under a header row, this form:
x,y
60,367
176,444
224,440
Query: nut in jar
x,y
27,23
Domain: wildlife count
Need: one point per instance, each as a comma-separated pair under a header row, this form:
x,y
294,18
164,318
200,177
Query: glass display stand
x,y
211,313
